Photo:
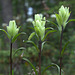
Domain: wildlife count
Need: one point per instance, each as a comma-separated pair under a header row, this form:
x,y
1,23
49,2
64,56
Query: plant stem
x,y
40,42
61,38
10,57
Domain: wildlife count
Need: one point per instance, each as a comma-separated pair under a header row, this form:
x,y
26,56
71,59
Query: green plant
x,y
40,32
39,27
12,34
62,18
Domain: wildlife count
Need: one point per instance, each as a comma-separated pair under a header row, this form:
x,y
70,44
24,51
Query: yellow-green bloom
x,y
39,25
63,16
12,29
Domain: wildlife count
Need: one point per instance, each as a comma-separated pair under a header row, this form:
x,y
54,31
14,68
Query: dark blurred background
x,y
23,12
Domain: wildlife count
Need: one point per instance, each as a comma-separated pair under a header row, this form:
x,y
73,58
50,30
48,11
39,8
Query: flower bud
x,y
12,29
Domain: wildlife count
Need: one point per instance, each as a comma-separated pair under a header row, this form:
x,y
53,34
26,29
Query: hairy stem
x,y
40,42
61,38
10,58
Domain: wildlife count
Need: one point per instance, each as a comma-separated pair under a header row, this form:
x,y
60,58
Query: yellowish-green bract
x,y
39,25
12,29
63,16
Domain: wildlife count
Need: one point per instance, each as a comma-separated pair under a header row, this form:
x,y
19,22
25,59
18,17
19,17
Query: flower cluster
x,y
12,29
39,25
63,16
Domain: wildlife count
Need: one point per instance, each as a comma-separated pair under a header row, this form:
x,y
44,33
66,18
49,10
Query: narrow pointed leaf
x,y
48,28
31,35
59,19
51,66
31,28
71,20
49,33
43,45
52,23
21,48
15,37
5,32
31,65
12,72
62,52
33,44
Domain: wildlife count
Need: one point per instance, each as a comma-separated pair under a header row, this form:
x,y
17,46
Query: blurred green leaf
x,y
52,23
31,28
62,52
70,20
31,65
15,37
43,45
5,32
48,33
51,66
12,72
21,48
33,44
31,35
49,28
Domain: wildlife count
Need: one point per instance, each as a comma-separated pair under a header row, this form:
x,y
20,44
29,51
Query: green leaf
x,y
31,35
33,44
43,45
15,37
31,65
49,28
71,20
5,33
59,19
60,28
12,72
62,52
48,33
21,48
51,66
52,23
31,28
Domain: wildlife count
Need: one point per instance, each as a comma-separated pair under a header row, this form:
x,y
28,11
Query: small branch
x,y
40,42
61,38
10,58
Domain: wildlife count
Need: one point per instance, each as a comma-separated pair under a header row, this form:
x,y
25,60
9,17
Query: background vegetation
x,y
23,12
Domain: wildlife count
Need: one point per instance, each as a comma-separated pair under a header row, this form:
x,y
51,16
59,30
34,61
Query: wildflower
x,y
63,16
12,29
39,25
